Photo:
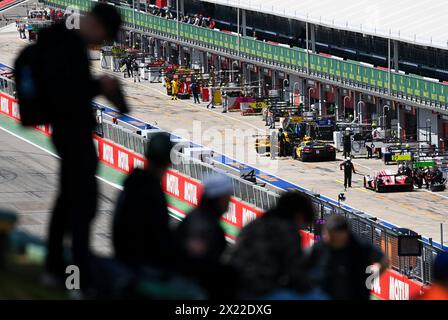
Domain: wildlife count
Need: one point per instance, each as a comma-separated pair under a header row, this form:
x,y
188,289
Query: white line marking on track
x,y
56,156
435,193
17,4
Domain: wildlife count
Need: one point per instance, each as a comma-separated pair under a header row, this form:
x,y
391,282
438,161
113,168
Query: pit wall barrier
x,y
390,286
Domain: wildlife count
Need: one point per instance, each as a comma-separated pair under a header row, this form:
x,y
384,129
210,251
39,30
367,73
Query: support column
x,y
181,56
243,23
181,7
322,112
260,83
168,52
337,99
398,121
396,55
274,80
313,37
205,62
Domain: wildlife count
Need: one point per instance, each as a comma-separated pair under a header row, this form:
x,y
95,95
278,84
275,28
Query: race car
x,y
386,180
314,150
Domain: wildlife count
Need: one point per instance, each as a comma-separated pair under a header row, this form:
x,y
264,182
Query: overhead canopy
x,y
422,22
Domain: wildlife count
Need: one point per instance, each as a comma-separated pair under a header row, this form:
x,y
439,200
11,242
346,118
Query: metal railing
x,y
124,137
366,228
8,86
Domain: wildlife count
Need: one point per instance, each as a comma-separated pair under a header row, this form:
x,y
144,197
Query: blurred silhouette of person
x,y
69,88
267,255
200,239
141,234
338,264
439,285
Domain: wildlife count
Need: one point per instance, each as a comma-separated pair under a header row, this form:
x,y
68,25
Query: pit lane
x,y
420,210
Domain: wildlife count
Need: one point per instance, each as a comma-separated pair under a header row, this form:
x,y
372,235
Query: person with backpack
x,y
62,97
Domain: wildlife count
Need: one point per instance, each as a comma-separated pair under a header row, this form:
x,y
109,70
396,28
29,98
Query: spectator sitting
x,y
267,255
338,264
200,239
141,234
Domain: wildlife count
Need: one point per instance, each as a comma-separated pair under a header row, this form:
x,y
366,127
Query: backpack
x,y
30,91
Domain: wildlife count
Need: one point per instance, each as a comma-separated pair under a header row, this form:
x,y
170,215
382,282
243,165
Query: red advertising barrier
x,y
390,286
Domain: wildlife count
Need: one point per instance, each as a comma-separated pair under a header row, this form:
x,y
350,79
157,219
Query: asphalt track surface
x,y
28,185
420,210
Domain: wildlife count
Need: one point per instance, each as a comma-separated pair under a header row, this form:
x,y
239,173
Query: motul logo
x,y
108,154
172,184
15,110
4,105
191,193
123,161
248,216
138,163
398,290
230,214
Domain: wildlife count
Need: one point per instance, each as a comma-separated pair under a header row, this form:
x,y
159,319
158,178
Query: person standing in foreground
x,y
267,255
200,239
338,263
141,234
68,88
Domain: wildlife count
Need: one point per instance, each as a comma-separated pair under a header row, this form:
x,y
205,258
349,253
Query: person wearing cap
x,y
67,86
349,168
200,241
140,234
339,262
268,256
439,286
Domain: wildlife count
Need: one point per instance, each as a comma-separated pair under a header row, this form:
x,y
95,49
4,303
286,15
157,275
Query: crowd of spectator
x,y
194,19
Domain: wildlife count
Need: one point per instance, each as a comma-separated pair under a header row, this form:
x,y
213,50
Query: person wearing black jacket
x,y
68,88
348,168
141,235
200,241
267,255
339,263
